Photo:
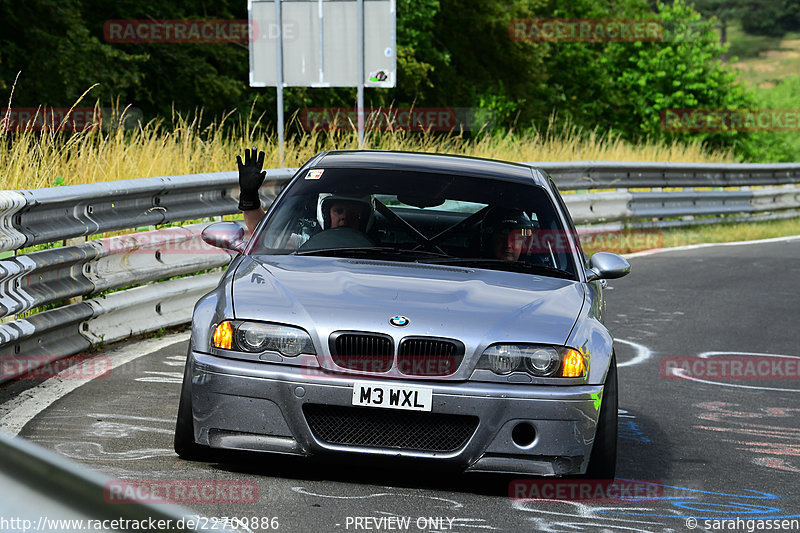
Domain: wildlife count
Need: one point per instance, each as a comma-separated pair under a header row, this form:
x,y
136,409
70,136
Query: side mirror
x,y
604,265
226,235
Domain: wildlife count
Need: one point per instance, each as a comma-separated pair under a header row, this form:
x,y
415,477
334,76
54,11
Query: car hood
x,y
476,306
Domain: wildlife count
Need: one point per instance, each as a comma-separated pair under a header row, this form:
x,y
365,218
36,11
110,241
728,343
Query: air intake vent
x,y
366,352
426,356
389,428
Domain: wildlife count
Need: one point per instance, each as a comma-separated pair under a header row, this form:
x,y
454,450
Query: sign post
x,y
279,74
360,98
323,43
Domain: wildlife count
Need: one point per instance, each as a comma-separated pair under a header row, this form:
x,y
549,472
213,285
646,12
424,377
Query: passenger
x,y
504,232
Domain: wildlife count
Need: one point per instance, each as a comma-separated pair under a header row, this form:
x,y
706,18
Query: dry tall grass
x,y
35,159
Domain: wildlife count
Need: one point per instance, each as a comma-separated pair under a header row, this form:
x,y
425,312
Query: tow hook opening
x,y
523,434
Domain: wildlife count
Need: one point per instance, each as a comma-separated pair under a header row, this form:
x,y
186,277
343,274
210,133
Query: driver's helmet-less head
x,y
352,211
505,228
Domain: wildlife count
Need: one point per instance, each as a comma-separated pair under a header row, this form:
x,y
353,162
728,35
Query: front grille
x,y
421,356
367,352
389,428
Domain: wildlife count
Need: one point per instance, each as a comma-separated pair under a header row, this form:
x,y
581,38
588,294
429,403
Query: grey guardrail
x,y
626,175
655,206
44,215
75,278
43,491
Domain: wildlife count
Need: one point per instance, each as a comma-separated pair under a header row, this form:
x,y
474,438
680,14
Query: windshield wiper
x,y
376,251
502,264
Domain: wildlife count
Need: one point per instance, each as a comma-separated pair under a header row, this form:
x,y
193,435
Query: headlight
x,y
503,358
255,338
539,361
542,361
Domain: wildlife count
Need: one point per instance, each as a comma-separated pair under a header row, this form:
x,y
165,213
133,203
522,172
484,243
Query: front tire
x,y
603,460
184,443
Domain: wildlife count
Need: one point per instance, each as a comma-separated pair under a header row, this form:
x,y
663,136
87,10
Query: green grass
x,y
781,146
746,46
764,61
32,160
630,241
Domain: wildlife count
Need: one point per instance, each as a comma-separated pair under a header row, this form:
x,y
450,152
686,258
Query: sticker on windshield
x,y
315,174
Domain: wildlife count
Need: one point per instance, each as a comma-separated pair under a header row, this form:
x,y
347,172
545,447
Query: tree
x,y
577,80
682,72
478,62
725,12
769,17
48,43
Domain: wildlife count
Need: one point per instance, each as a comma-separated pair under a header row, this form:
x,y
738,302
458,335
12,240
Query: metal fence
x,y
50,493
83,279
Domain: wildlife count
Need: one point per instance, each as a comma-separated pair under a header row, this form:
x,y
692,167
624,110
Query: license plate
x,y
392,396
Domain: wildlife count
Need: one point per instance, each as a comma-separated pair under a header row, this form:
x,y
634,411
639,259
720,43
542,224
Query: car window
x,y
568,217
425,217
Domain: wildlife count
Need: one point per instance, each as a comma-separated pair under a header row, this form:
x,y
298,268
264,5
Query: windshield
x,y
423,217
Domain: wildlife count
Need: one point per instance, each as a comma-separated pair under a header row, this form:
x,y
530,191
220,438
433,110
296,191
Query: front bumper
x,y
263,407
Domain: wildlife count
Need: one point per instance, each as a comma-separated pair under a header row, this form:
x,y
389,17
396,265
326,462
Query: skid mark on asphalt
x,y
560,515
774,445
777,463
155,376
91,451
175,360
23,408
118,430
453,504
103,416
645,324
673,503
161,377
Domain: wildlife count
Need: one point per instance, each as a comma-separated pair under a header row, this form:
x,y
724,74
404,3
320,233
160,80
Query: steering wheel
x,y
344,237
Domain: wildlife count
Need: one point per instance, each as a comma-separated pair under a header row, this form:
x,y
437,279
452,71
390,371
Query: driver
x,y
503,233
333,210
344,211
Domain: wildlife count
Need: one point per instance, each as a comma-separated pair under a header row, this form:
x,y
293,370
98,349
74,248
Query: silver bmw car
x,y
411,305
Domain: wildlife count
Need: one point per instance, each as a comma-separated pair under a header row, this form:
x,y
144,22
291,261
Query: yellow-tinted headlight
x,y
223,335
574,365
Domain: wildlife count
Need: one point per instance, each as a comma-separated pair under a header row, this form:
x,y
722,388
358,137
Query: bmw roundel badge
x,y
399,321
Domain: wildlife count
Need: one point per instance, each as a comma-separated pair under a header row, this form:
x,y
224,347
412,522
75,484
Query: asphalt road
x,y
707,447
